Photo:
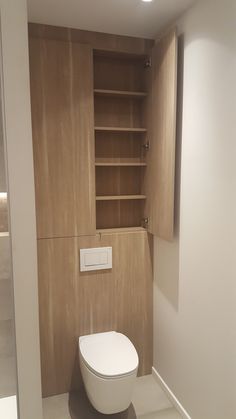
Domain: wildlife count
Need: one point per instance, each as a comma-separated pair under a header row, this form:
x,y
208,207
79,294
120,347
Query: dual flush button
x,y
94,259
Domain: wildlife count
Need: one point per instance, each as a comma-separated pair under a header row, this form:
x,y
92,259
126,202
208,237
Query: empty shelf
x,y
120,230
119,93
117,164
119,197
121,129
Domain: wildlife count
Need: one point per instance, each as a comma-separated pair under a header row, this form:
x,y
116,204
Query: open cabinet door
x,y
161,124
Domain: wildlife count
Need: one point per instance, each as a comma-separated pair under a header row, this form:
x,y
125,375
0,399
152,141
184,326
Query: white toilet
x,y
109,365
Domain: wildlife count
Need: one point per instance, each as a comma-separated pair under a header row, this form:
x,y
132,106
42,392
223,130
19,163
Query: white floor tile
x,y
148,396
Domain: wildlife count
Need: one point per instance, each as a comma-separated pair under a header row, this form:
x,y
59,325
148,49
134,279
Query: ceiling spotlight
x,y
147,1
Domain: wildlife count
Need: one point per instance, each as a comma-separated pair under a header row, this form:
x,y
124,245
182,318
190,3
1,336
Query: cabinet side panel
x,y
161,120
63,138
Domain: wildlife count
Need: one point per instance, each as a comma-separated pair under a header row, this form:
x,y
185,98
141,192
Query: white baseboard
x,y
170,394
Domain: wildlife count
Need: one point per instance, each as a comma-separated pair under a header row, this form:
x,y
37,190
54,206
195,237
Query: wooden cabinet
x,y
63,137
104,137
134,111
103,116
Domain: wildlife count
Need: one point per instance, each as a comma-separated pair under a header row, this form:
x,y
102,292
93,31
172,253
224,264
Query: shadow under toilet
x,y
81,408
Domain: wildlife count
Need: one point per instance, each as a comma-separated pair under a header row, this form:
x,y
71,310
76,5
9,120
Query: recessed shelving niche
x,y
120,133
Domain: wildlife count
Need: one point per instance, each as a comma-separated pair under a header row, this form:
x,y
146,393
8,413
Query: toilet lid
x,y
108,354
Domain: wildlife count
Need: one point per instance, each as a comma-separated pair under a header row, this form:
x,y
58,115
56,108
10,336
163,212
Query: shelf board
x,y
119,197
121,129
119,230
119,93
117,164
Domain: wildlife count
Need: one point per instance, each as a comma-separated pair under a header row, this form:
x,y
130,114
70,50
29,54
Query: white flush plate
x,y
94,259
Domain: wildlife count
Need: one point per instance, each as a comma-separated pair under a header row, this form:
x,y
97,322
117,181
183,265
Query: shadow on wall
x,y
167,253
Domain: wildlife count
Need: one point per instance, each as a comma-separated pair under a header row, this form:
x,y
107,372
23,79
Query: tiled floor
x,y
149,400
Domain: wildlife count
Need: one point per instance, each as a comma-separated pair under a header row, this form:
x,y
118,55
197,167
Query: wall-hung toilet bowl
x,y
109,365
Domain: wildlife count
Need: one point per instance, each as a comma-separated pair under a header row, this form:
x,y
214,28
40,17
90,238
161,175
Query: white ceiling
x,y
122,17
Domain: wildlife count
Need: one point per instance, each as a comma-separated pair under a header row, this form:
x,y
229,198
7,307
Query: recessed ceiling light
x,y
147,0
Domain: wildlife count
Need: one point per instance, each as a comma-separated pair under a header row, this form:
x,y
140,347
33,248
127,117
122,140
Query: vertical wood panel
x,y
74,303
161,121
63,137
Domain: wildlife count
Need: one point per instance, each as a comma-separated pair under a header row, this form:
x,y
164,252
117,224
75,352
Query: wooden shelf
x,y
119,230
121,129
119,93
117,164
119,197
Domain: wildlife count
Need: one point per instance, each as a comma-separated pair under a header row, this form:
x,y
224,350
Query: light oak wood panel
x,y
74,303
63,137
161,123
118,112
119,93
118,180
120,197
119,230
119,213
114,73
98,40
118,147
121,164
120,129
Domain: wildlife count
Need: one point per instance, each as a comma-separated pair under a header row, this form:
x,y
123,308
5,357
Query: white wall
x,y
195,277
22,207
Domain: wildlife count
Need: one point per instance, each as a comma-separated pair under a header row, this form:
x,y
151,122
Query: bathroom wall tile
x,y
148,396
7,344
5,258
7,376
162,414
6,300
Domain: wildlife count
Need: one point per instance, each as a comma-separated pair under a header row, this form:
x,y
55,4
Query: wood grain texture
x,y
98,40
119,214
119,93
161,123
120,129
63,137
118,112
118,180
74,303
118,147
121,164
120,197
115,73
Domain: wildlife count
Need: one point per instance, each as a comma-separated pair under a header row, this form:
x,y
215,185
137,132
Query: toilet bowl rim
x,y
107,377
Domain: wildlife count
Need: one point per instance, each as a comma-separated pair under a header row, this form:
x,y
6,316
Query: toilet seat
x,y
108,355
